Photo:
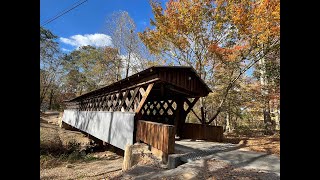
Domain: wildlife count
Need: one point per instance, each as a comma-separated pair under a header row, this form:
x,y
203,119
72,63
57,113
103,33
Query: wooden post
x,y
127,160
179,119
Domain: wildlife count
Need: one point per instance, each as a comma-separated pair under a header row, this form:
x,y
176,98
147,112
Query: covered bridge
x,y
150,106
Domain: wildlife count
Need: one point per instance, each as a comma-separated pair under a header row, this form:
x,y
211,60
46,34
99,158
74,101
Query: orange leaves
x,y
239,47
180,20
227,54
213,47
192,28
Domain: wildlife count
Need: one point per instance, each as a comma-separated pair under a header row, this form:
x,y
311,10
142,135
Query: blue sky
x,y
86,24
89,18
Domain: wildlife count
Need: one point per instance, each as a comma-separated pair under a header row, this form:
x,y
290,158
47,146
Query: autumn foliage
x,y
221,39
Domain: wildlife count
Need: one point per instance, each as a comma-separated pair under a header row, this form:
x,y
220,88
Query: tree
x,y
263,30
89,68
221,39
122,29
268,72
49,62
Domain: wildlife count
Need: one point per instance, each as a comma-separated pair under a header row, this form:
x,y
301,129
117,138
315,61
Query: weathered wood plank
x,y
144,97
204,132
158,135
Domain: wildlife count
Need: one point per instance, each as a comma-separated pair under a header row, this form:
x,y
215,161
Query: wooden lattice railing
x,y
129,100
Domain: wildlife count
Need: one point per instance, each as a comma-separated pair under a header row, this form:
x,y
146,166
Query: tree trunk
x,y
41,100
119,70
228,129
43,94
278,118
265,93
128,65
51,96
266,114
228,117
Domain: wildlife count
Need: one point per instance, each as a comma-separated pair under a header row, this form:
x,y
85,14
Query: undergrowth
x,y
53,153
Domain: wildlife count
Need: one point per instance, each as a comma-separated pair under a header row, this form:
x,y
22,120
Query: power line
x,y
63,12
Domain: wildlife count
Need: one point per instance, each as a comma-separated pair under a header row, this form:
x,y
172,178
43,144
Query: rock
x,y
69,166
83,153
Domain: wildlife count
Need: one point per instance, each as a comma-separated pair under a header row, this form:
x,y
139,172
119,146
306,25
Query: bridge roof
x,y
182,80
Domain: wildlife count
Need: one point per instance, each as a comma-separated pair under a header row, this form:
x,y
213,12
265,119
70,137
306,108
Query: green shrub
x,y
73,145
243,130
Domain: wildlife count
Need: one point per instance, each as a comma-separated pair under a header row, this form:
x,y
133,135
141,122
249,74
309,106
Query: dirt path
x,y
218,161
99,169
222,161
212,160
200,169
232,153
105,164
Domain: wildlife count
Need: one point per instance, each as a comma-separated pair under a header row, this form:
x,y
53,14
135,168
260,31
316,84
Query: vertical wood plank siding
x,y
205,132
160,136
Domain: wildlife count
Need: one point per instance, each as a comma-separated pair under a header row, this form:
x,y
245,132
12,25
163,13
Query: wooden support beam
x,y
124,97
191,104
144,97
196,116
142,91
178,91
179,117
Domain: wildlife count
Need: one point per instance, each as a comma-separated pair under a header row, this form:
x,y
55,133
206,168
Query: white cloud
x,y
65,50
97,40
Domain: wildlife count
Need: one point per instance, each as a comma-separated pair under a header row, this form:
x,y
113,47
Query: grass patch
x,y
53,153
50,160
89,158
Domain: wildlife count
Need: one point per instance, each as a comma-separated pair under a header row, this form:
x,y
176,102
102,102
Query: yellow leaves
x,y
252,19
182,42
180,18
253,23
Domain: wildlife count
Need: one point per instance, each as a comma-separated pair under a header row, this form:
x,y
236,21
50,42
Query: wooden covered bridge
x,y
150,106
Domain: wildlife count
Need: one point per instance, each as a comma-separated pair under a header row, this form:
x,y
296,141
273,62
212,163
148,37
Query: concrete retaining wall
x,y
115,128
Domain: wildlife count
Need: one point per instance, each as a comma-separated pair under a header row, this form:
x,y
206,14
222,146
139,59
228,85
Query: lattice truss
x,y
124,100
132,100
166,107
